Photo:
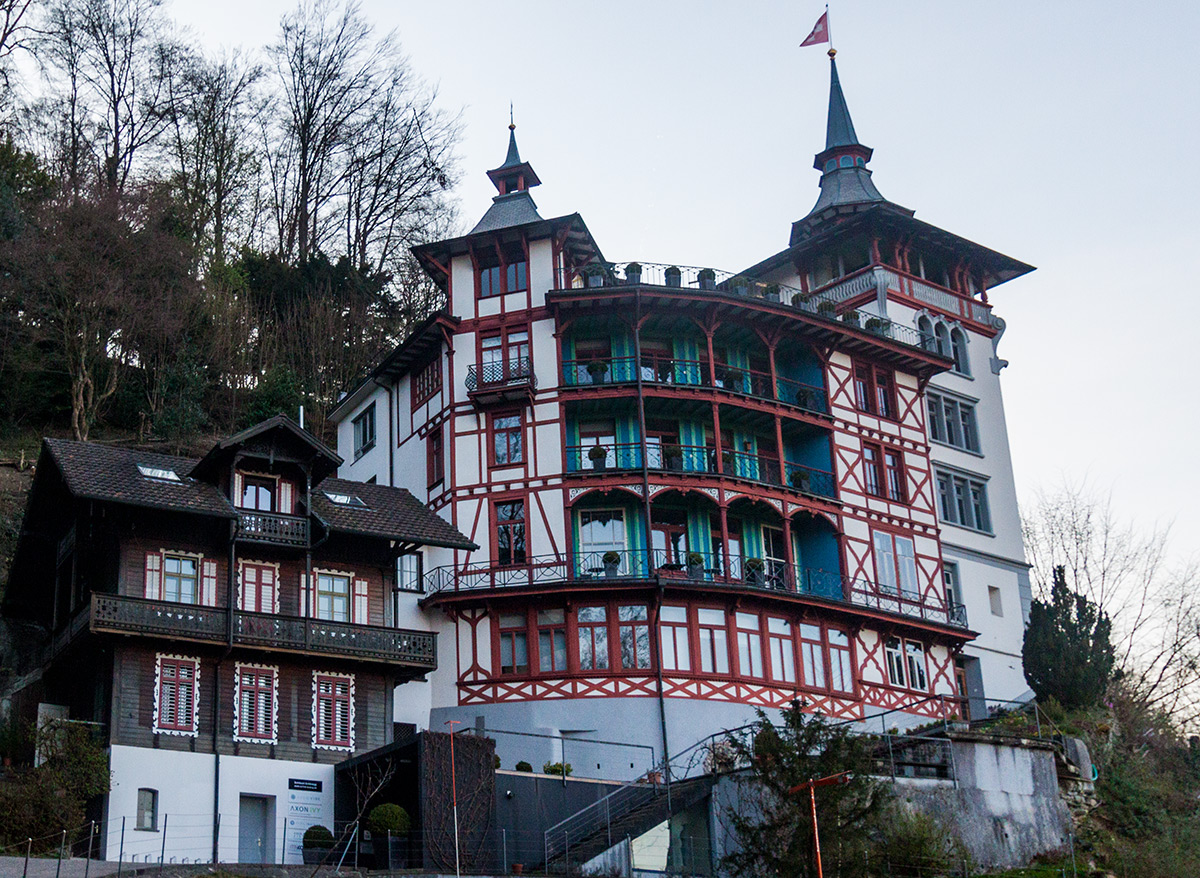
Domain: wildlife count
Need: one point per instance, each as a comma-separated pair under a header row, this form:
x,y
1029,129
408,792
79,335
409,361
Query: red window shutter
x,y
360,602
153,590
208,583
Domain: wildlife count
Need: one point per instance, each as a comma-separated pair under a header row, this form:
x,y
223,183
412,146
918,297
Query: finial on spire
x,y
512,126
514,174
832,53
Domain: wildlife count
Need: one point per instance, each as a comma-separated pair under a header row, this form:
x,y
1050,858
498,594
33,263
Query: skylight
x,y
344,499
153,472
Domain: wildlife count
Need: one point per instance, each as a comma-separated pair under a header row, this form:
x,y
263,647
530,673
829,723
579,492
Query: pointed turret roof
x,y
839,129
513,206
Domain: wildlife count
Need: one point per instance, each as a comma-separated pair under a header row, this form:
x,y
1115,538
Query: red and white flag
x,y
820,31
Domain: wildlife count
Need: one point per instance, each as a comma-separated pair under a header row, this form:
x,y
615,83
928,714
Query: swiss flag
x,y
820,31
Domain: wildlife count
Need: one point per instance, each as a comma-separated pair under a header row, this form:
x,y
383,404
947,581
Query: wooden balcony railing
x,y
273,528
116,614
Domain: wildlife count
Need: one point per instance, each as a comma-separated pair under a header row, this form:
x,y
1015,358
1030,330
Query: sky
x,y
1060,133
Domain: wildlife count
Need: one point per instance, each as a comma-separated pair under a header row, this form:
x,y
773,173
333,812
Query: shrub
x,y
389,817
557,768
917,844
318,836
523,766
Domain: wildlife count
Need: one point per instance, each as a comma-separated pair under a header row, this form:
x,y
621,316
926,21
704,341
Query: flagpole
x,y
829,28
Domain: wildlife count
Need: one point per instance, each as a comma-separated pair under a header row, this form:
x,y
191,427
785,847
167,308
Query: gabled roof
x,y
388,512
325,460
100,472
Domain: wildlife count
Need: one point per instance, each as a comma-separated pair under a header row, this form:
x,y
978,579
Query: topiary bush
x,y
523,766
389,817
318,836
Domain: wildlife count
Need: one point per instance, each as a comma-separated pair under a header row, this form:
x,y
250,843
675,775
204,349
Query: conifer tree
x,y
1068,653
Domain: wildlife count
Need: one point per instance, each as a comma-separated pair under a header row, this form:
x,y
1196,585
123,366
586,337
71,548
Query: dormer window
x,y
344,499
162,475
258,493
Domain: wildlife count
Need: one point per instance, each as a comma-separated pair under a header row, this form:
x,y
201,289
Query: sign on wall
x,y
305,808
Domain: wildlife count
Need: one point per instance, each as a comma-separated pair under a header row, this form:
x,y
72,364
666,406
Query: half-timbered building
x,y
227,625
699,492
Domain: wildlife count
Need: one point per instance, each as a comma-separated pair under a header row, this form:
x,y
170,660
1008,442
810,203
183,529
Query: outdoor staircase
x,y
628,812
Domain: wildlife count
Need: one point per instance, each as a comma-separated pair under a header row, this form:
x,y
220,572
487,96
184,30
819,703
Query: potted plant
x,y
598,455
612,563
633,273
827,309
597,369
695,565
673,276
673,457
593,275
523,766
798,299
754,571
739,285
707,278
850,317
771,292
316,844
802,480
877,325
735,379
557,768
389,825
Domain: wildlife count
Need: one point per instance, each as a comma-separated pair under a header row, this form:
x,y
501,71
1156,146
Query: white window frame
x,y
674,637
317,743
238,733
896,564
316,594
159,729
362,442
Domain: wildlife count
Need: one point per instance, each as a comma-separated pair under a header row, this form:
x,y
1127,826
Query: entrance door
x,y
256,840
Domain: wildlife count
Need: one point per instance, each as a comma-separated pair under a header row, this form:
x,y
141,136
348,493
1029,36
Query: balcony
x,y
506,380
668,372
272,528
762,469
113,614
712,570
826,302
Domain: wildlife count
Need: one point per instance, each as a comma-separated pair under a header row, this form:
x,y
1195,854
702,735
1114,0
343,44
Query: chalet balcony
x,y
272,528
672,372
113,614
713,570
760,468
508,380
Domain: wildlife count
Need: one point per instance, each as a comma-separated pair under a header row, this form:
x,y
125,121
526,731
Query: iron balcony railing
x,y
271,527
129,615
512,371
672,371
669,458
764,574
826,302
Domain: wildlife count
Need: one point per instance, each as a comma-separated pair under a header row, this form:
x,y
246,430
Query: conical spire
x,y
839,130
513,206
514,175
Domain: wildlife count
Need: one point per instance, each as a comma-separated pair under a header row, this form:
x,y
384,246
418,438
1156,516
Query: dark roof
x,y
513,209
513,158
389,512
325,459
839,128
100,472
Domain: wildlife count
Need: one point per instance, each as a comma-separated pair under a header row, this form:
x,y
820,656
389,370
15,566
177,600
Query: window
x,y
180,579
489,281
427,382
781,650
963,501
333,711
893,471
514,644
952,583
604,434
258,587
434,459
896,565
552,640
958,351
147,809
175,696
258,492
873,390
841,667
673,638
713,641
507,444
504,357
503,272
952,421
906,663
883,471
633,625
592,629
408,572
364,431
254,700
159,474
995,601
600,531
333,597
510,532
812,656
749,644
346,499
872,478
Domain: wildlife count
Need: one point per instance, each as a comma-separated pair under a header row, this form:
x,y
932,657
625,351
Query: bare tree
x,y
1154,605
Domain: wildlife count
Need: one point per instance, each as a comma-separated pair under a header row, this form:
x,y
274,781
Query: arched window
x,y
925,327
958,343
846,161
943,340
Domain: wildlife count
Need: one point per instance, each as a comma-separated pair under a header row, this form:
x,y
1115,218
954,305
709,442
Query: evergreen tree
x,y
1068,654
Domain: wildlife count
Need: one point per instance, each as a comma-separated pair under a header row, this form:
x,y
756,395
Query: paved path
x,y
41,867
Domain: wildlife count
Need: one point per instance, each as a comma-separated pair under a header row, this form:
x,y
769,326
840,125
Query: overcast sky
x,y
1061,133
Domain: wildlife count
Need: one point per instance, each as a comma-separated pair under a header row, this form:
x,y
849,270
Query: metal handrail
x,y
510,370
